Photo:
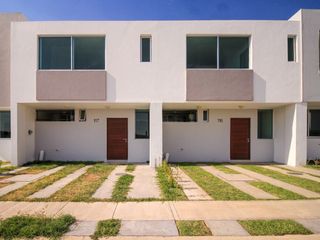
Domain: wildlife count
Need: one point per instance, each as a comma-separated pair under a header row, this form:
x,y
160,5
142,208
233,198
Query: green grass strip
x,y
130,168
225,169
170,189
273,227
297,181
107,228
39,167
28,227
316,167
122,187
215,187
193,228
82,188
276,191
21,194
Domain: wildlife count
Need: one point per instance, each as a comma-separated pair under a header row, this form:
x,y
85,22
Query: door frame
x,y
249,138
127,133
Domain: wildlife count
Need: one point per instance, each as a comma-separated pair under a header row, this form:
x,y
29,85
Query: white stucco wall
x,y
86,141
313,148
210,141
5,149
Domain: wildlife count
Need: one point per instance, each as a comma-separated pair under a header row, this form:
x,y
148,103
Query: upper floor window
x,y
291,49
145,48
5,125
314,122
217,52
179,116
71,52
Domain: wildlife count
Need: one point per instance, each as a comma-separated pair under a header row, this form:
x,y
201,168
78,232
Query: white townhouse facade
x,y
130,91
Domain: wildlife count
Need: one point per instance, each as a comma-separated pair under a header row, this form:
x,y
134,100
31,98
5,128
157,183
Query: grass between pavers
x,y
215,187
107,228
130,168
4,184
39,167
82,188
170,189
224,169
121,188
316,167
193,228
273,227
279,192
7,169
297,181
21,194
29,227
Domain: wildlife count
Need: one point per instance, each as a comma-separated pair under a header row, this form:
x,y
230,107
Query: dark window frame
x,y
143,58
142,111
179,115
52,115
292,48
260,124
7,134
313,132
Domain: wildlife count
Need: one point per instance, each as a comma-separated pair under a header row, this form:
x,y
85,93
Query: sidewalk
x,y
192,210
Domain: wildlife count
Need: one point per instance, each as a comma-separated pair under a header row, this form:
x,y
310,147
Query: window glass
x,y
145,49
142,123
265,124
291,49
55,115
205,116
54,53
314,123
180,116
201,52
5,125
233,52
88,52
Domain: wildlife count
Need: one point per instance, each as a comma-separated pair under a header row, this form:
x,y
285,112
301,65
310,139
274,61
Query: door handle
x,y
124,139
248,139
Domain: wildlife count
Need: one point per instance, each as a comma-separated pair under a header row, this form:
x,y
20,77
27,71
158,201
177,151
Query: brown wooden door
x,y
240,138
117,138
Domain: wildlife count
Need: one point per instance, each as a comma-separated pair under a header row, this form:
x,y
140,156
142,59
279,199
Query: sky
x,y
37,10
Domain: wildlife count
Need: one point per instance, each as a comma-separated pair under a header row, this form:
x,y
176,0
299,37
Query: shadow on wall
x,y
259,88
111,87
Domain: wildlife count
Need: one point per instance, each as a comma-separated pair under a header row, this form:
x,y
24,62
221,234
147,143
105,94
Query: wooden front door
x,y
240,138
117,138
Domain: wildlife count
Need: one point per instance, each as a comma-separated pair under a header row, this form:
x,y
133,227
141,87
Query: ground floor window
x,y
179,115
55,115
5,125
314,122
265,124
142,124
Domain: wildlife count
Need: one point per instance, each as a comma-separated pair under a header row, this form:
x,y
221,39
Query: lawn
x,y
300,182
224,169
39,167
130,168
82,188
122,188
107,228
316,167
193,228
170,189
29,227
273,227
215,187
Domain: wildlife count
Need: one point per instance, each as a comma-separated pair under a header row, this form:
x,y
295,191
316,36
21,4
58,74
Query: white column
x,y
155,141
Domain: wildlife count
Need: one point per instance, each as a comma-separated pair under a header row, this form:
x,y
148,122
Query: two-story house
x,y
130,91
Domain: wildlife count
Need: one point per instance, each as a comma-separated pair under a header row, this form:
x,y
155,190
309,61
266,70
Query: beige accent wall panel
x,y
71,85
5,21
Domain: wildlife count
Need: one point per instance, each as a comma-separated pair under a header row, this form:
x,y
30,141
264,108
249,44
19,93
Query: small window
x,y
5,124
314,122
265,124
291,49
145,45
233,52
55,115
180,116
82,115
205,115
202,52
142,124
54,52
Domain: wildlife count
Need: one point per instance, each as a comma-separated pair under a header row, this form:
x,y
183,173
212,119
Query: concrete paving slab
x,y
105,190
304,169
226,228
12,187
53,188
263,178
148,228
82,228
312,224
89,211
143,211
293,173
17,170
192,190
242,185
144,184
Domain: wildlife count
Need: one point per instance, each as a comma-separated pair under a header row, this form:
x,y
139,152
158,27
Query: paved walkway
x,y
303,169
292,188
189,187
144,184
24,179
293,173
105,190
56,186
226,228
239,181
